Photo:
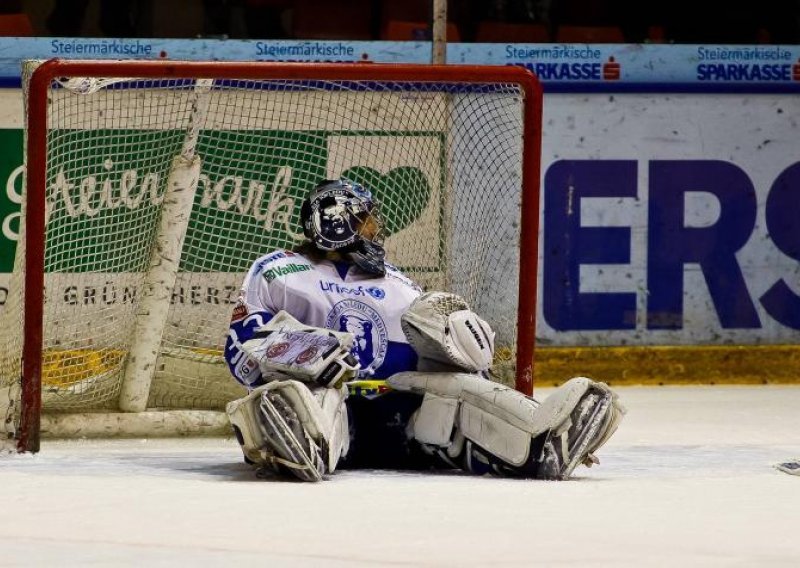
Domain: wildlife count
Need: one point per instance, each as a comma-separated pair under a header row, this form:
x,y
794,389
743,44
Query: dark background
x,y
578,21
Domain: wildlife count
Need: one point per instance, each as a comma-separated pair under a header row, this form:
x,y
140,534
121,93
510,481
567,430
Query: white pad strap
x,y
285,348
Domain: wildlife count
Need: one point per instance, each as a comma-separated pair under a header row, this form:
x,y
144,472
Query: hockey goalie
x,y
349,364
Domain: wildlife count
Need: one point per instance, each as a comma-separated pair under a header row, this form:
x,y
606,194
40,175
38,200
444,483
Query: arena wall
x,y
671,171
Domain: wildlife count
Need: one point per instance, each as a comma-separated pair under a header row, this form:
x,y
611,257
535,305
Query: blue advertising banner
x,y
561,67
650,68
15,50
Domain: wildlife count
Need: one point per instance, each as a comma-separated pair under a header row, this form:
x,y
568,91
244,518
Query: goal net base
x,y
148,424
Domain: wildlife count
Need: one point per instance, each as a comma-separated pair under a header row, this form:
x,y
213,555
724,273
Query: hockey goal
x,y
152,186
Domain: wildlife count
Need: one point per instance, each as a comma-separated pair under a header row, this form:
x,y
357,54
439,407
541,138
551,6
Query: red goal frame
x,y
37,102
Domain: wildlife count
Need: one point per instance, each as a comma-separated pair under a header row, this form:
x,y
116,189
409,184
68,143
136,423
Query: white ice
x,y
687,481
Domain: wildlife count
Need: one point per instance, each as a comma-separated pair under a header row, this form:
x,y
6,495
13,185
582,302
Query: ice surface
x,y
687,481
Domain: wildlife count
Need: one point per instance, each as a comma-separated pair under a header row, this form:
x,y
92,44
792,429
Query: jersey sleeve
x,y
254,308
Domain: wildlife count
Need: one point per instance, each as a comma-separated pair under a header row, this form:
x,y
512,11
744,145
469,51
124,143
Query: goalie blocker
x,y
286,349
484,427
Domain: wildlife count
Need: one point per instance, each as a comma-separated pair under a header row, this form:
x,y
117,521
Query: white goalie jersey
x,y
323,293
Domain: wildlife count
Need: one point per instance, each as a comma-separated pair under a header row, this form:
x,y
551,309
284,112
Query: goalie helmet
x,y
334,217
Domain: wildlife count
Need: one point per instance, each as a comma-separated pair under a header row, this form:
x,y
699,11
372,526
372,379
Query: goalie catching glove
x,y
287,349
447,335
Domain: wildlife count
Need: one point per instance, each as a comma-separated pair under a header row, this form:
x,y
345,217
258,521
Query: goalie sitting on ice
x,y
333,313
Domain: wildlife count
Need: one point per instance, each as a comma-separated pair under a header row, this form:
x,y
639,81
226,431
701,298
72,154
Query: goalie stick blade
x,y
791,467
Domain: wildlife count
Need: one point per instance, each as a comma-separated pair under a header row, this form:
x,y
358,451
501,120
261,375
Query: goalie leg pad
x,y
589,425
507,432
285,426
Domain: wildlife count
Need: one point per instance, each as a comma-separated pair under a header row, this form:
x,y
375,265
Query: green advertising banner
x,y
10,198
104,187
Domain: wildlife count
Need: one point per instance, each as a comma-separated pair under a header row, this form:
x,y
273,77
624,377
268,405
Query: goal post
x,y
152,185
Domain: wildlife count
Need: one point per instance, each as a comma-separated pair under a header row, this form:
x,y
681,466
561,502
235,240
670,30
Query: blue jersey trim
x,y
244,369
342,268
400,357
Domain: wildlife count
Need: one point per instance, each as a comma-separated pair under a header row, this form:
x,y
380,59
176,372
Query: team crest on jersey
x,y
368,328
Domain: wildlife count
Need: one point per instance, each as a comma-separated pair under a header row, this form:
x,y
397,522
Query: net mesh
x,y
444,160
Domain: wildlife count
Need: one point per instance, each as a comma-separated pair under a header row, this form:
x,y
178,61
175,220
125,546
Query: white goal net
x,y
157,184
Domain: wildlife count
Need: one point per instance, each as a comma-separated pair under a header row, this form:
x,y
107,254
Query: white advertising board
x,y
670,219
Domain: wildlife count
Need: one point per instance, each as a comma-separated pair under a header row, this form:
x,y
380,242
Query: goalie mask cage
x,y
152,186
